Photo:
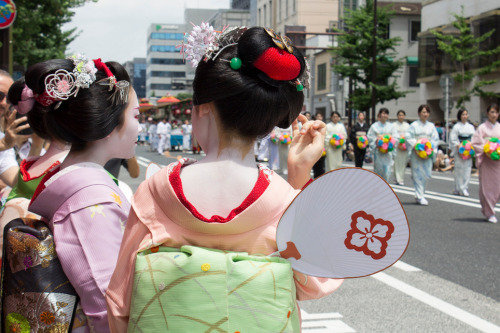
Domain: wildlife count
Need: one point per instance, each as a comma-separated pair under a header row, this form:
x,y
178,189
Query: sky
x,y
117,29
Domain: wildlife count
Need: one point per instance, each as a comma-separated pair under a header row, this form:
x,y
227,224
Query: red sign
x,y
7,13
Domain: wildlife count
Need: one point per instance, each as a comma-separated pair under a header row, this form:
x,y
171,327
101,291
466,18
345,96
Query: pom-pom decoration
x,y
285,139
362,142
337,141
492,149
385,143
323,154
465,150
274,138
402,143
424,148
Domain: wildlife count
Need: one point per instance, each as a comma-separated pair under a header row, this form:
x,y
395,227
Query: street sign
x,y
7,13
446,79
442,104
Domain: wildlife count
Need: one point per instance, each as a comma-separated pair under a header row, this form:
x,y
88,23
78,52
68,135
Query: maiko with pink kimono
x,y
86,104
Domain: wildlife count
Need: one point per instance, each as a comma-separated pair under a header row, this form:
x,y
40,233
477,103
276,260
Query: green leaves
x,y
465,50
353,56
37,31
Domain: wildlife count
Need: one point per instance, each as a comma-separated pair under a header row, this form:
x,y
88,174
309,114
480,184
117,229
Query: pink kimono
x,y
86,212
161,215
489,170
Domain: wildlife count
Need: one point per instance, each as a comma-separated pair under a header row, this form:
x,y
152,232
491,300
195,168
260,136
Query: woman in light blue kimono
x,y
382,162
462,131
421,169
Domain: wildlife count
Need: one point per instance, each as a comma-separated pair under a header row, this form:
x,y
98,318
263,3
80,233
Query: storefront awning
x,y
412,60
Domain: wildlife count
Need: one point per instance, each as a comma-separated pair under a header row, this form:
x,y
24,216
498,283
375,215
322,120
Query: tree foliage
x,y
465,50
353,56
38,30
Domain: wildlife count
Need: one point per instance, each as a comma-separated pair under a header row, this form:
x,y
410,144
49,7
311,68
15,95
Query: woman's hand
x,y
11,130
306,149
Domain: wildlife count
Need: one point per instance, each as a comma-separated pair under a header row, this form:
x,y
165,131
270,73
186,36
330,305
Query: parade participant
x,y
193,203
162,131
401,158
274,157
423,133
319,167
462,131
284,136
334,147
485,140
153,136
383,152
187,128
359,129
89,105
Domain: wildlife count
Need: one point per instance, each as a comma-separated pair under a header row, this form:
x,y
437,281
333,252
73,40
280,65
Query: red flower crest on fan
x,y
278,64
369,235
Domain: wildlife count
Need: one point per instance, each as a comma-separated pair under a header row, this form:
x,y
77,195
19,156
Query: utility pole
x,y
374,64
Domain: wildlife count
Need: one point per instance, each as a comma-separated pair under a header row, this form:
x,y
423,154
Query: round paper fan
x,y
347,223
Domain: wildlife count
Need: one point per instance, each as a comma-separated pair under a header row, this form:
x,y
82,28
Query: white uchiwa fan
x,y
347,223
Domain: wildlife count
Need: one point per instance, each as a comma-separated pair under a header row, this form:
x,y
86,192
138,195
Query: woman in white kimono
x,y
382,162
401,158
334,155
463,130
421,169
283,148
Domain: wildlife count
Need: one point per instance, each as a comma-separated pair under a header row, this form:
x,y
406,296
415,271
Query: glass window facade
x,y
433,62
480,27
161,86
160,61
412,76
414,30
167,74
321,84
167,36
164,48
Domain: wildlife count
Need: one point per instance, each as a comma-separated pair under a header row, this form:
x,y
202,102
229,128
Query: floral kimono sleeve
x,y
87,244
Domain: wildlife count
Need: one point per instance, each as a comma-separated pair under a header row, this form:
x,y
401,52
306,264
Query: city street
x,y
447,281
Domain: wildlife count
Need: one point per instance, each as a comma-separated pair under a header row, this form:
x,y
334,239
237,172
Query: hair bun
x,y
278,64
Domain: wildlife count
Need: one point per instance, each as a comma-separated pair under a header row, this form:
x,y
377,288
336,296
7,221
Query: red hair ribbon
x,y
102,66
278,64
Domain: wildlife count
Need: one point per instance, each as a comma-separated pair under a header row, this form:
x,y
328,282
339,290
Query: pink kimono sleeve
x,y
120,287
309,287
87,244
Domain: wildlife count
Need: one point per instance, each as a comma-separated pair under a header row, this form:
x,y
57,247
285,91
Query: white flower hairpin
x,y
62,84
206,43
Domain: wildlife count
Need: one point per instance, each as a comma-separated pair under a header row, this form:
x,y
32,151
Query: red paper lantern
x,y
177,112
187,111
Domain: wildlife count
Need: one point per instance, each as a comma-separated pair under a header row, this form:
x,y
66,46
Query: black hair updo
x,y
88,116
248,102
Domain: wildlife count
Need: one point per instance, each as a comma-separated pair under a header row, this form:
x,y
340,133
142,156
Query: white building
x,y
484,15
405,24
165,68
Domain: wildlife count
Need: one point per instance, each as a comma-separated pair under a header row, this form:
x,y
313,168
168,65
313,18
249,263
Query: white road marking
x,y
324,323
447,308
406,267
442,197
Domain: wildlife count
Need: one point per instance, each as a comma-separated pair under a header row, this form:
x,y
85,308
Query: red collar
x,y
25,165
41,186
259,188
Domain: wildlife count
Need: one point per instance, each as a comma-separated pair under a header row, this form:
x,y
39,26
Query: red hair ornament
x,y
278,64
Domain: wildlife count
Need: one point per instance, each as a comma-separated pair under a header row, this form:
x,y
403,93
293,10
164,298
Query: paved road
x,y
447,281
